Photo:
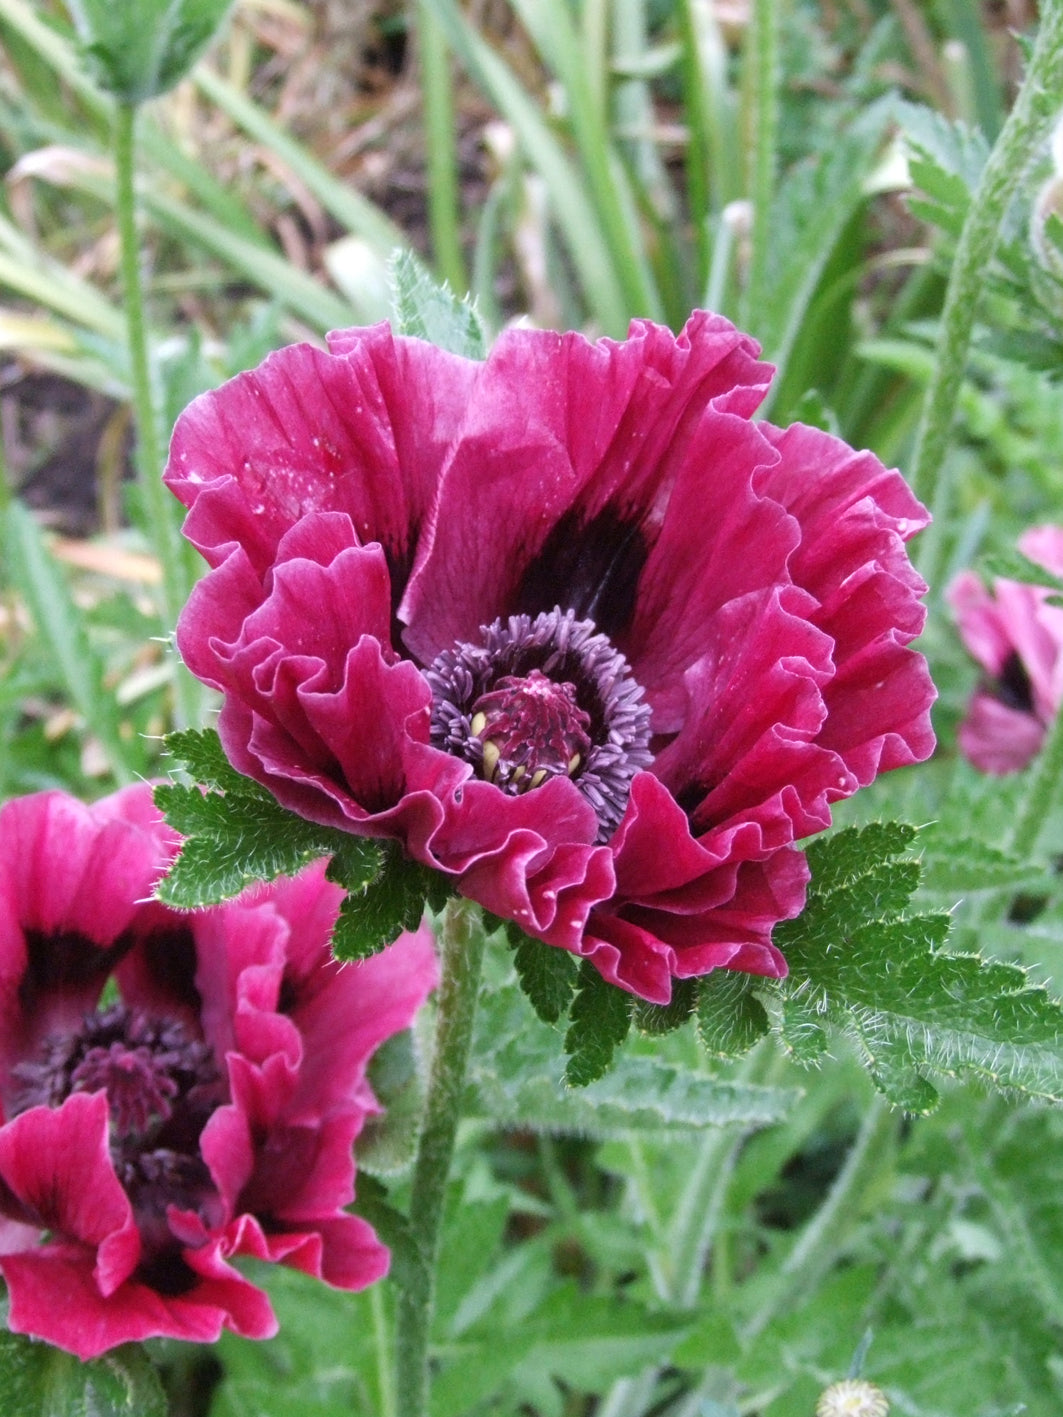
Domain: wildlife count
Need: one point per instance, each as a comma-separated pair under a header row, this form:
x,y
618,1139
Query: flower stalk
x,y
158,505
462,941
1034,110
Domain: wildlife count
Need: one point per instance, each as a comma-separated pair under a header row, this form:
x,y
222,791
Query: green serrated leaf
x,y
356,863
842,857
139,49
240,833
949,211
880,893
204,759
393,899
547,975
858,963
802,1027
658,1019
184,808
197,878
432,312
600,1019
895,1077
953,152
231,841
731,1019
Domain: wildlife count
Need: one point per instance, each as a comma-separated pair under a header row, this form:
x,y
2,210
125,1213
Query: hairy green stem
x,y
159,508
382,1345
462,941
1035,108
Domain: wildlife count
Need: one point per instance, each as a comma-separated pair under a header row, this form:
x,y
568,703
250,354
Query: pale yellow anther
x,y
573,764
477,724
491,756
538,779
518,772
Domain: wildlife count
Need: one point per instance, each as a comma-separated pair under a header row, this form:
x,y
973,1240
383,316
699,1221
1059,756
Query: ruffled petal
x,y
720,543
855,517
54,1297
754,580
56,1162
342,1250
749,762
73,882
348,1011
643,948
681,907
565,458
362,430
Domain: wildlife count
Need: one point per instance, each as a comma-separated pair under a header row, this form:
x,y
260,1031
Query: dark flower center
x,y
162,1084
541,698
1012,685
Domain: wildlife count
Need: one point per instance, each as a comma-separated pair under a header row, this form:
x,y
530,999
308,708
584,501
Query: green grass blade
x,y
809,218
52,285
580,223
298,292
59,623
356,213
633,112
760,84
964,21
551,28
593,43
712,159
294,289
441,134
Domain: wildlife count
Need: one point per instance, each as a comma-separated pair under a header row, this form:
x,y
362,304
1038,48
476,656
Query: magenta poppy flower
x,y
177,1089
1017,638
565,624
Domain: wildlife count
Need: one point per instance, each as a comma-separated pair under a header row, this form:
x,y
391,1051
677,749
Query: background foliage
x,y
685,1235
